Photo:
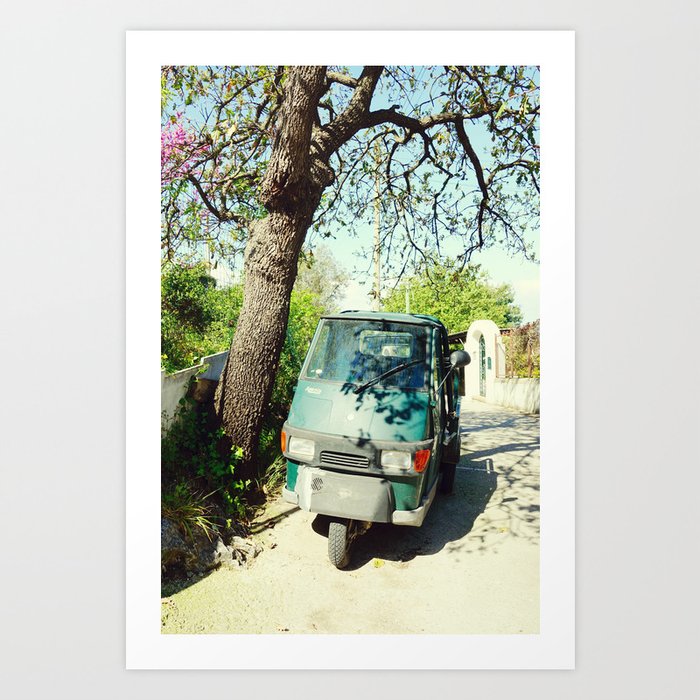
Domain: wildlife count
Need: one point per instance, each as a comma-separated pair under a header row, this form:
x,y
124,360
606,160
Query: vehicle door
x,y
437,406
450,438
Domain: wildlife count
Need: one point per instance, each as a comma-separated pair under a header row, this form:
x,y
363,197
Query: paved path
x,y
473,568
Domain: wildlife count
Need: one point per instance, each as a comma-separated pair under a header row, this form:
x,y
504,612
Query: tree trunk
x,y
244,393
291,193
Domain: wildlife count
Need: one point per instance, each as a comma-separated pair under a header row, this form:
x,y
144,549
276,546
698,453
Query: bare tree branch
x,y
342,79
221,216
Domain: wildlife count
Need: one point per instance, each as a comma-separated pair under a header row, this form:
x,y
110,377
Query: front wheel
x,y
448,477
339,538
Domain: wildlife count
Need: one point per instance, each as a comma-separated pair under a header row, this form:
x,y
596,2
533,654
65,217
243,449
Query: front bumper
x,y
357,497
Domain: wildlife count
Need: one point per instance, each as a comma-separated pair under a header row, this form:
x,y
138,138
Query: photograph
x,y
350,349
350,262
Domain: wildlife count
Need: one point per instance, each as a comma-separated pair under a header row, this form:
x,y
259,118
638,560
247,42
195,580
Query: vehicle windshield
x,y
357,352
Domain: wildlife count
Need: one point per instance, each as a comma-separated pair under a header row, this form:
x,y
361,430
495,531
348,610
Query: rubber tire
x,y
339,543
448,478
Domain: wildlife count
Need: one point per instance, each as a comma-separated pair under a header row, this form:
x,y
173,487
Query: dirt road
x,y
472,568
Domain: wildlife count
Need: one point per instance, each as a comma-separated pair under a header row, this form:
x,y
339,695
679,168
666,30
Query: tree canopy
x,y
320,274
456,296
445,151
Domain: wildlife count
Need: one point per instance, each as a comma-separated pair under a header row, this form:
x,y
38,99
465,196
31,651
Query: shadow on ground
x,y
497,483
260,524
449,519
176,578
178,581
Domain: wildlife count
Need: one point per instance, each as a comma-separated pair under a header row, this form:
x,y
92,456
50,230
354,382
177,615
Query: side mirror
x,y
459,358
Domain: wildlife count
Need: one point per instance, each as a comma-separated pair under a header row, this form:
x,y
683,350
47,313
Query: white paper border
x,y
553,648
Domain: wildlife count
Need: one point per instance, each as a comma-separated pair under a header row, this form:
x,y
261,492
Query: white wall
x,y
214,365
174,386
495,353
520,393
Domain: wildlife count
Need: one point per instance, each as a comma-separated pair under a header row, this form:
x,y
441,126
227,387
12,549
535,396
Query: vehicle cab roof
x,y
388,316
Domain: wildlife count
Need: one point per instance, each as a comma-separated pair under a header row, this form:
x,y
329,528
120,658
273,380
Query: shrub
x,y
523,351
188,509
192,450
274,477
197,319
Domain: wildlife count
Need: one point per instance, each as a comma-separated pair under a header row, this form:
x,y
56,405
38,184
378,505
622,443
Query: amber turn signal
x,y
420,461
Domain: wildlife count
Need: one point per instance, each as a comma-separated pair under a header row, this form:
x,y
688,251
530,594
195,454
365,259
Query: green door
x,y
482,366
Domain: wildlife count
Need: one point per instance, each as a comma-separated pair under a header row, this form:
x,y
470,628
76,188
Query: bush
x,y
275,476
191,452
523,351
197,319
188,509
456,296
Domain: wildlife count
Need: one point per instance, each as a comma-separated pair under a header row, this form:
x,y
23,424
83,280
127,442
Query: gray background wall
x,y
63,285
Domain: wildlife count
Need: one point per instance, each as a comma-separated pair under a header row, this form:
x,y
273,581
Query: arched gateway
x,y
483,342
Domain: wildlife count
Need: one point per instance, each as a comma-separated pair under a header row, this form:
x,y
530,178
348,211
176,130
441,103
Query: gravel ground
x,y
472,568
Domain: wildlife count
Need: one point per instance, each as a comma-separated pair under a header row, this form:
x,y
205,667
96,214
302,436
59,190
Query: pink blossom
x,y
178,150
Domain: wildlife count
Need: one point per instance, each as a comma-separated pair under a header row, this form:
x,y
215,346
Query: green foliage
x,y
320,274
185,294
456,297
192,450
197,319
523,351
188,509
275,476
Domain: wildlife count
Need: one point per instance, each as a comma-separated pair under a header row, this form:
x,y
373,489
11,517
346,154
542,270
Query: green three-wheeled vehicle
x,y
373,429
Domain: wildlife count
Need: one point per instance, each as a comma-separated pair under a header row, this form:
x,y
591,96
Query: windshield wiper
x,y
383,375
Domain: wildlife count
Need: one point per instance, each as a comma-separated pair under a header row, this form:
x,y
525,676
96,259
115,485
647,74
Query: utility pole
x,y
210,247
377,253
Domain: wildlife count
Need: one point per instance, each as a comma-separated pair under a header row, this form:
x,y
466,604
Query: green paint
x,y
292,471
376,413
407,492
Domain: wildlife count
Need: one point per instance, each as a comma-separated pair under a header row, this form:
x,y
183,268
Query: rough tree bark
x,y
291,192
